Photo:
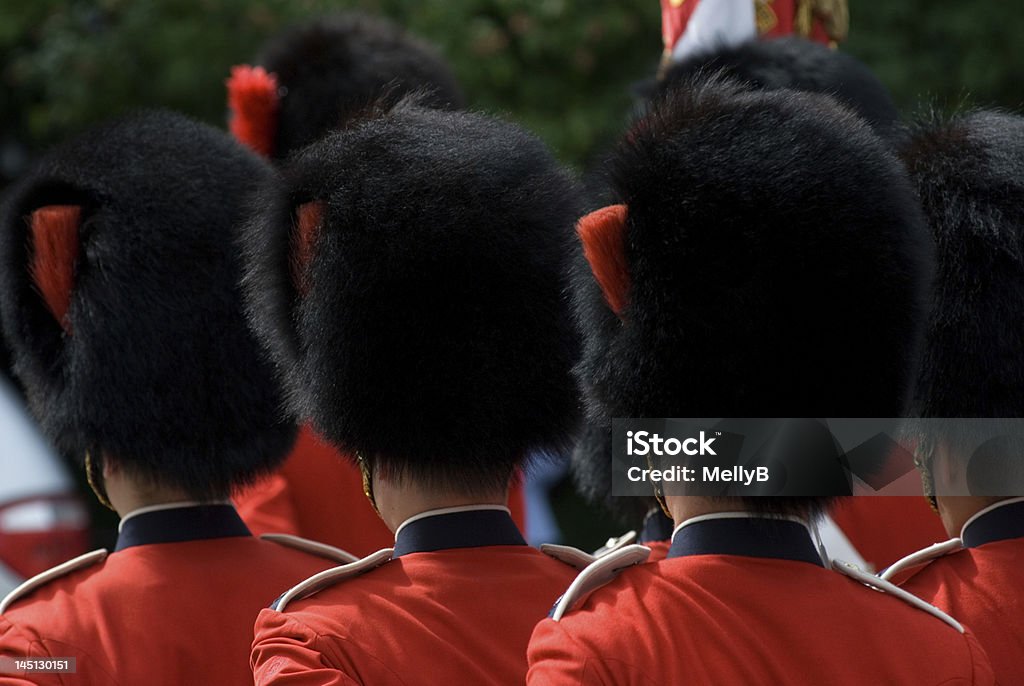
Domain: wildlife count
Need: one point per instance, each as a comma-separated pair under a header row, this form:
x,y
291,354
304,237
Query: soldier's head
x,y
321,73
407,274
120,299
766,258
969,171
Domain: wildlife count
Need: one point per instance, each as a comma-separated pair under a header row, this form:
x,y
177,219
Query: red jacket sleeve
x,y
557,659
286,651
15,643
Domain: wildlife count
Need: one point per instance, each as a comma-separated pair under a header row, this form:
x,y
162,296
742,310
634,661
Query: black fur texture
x,y
780,264
160,371
798,64
969,171
591,468
332,68
436,337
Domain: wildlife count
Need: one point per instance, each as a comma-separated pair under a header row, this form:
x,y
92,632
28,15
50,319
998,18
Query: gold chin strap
x,y
659,494
95,479
927,481
364,470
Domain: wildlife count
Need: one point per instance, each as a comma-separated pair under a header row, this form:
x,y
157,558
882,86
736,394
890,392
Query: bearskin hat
x,y
323,72
120,300
591,467
767,259
408,274
969,171
798,64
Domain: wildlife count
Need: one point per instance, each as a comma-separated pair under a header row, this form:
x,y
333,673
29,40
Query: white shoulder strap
x,y
922,556
614,543
312,547
43,578
599,573
884,586
574,557
329,577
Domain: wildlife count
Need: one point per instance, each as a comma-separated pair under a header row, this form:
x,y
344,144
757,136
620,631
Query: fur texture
x,y
969,172
436,334
801,65
159,370
779,264
332,68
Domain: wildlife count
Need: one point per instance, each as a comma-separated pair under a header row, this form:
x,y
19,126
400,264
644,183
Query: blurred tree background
x,y
561,68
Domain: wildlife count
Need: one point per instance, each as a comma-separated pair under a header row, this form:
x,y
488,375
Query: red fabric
x,y
659,550
885,528
603,233
254,104
318,494
460,616
29,553
675,18
54,231
675,15
517,502
785,13
170,613
983,587
721,619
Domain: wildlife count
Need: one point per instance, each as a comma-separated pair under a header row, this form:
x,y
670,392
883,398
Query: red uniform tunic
x,y
318,494
743,601
174,604
773,18
883,529
982,585
456,605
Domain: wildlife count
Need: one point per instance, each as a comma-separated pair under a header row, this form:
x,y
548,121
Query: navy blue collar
x,y
468,529
752,537
1000,523
179,524
657,527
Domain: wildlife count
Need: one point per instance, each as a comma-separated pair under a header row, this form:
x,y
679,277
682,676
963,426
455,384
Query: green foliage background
x,y
559,67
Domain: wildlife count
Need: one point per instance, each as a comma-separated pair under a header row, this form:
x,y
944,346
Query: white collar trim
x,y
448,510
981,513
168,506
741,515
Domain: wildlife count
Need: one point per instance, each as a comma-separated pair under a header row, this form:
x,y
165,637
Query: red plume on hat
x,y
254,103
54,232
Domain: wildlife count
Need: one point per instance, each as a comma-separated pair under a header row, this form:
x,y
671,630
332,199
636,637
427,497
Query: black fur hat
x,y
969,172
769,259
591,468
409,277
798,64
119,297
332,68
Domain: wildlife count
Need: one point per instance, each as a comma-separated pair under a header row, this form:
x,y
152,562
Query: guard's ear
x,y
309,219
254,103
603,233
53,232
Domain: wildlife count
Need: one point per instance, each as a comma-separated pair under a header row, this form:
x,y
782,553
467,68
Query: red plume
x,y
603,233
253,101
54,231
309,218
